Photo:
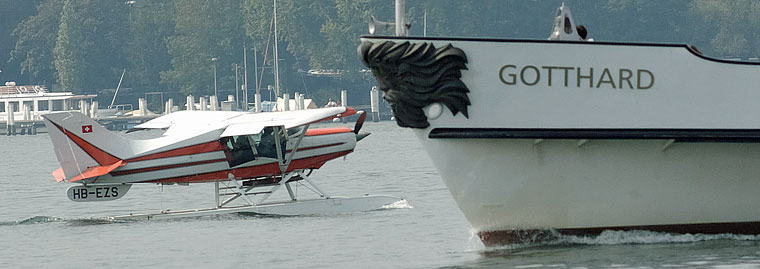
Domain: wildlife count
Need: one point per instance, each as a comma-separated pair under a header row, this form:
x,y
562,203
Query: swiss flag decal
x,y
86,129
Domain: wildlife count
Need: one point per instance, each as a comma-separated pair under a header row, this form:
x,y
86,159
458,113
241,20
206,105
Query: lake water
x,y
40,227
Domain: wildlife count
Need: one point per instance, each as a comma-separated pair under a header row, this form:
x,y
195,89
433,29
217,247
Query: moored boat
x,y
566,136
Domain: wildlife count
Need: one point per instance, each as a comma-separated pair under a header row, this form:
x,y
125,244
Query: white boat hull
x,y
579,137
514,183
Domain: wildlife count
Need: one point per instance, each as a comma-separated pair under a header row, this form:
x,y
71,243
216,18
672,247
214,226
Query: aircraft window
x,y
239,149
568,27
266,146
294,131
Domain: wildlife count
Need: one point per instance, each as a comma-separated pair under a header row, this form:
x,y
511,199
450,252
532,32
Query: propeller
x,y
360,121
359,124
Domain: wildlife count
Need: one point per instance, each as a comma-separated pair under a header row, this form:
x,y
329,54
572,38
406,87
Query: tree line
x,y
84,45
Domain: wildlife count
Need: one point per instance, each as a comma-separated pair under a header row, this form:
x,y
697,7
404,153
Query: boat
x,y
565,136
22,106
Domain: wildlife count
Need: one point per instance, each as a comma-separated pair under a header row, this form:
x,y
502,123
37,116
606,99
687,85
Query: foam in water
x,y
624,237
648,237
32,220
400,204
48,219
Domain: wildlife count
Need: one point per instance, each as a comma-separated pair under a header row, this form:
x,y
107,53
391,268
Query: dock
x,y
22,107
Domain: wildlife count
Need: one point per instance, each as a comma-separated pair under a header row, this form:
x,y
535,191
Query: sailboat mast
x,y
257,95
276,57
245,79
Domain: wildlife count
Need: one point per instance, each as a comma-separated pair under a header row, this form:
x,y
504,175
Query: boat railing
x,y
25,89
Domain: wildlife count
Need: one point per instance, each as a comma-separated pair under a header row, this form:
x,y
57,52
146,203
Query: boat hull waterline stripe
x,y
681,135
517,236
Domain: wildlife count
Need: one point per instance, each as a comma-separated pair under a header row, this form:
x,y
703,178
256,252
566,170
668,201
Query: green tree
x,y
731,25
150,24
89,52
298,24
34,41
204,30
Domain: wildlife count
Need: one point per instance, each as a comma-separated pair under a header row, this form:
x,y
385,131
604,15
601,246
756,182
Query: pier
x,y
22,107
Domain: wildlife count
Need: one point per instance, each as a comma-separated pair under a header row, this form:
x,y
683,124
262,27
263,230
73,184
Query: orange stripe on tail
x,y
100,156
97,171
59,175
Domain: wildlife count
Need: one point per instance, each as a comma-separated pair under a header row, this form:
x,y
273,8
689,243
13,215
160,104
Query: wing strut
x,y
284,165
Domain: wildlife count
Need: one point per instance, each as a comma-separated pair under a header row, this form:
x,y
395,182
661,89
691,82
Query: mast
x,y
237,87
276,57
400,18
245,79
257,97
117,87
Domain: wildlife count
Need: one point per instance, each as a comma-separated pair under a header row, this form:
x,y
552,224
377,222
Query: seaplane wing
x,y
252,123
240,123
189,117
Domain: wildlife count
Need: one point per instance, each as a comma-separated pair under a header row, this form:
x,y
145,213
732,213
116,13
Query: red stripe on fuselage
x,y
194,149
178,165
100,156
255,171
154,168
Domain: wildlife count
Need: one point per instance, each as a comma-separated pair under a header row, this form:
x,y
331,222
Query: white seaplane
x,y
252,155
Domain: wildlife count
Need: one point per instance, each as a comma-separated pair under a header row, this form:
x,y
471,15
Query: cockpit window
x,y
294,131
245,148
266,145
239,149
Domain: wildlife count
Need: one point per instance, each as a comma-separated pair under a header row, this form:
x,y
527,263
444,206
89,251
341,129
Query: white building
x,y
28,102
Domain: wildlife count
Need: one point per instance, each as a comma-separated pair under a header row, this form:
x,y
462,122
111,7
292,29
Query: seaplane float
x,y
248,156
540,138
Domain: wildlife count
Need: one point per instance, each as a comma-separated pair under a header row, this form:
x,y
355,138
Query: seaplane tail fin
x,y
83,147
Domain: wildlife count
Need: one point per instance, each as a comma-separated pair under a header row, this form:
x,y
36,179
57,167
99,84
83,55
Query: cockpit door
x,y
238,149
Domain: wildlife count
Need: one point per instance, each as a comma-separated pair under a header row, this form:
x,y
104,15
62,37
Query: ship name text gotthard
x,y
567,76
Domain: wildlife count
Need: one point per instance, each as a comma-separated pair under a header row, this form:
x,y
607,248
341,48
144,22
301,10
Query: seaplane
x,y
248,156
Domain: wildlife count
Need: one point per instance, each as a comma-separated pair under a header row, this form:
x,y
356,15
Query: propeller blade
x,y
361,136
360,121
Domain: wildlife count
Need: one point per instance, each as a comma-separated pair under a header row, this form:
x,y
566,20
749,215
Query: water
x,y
40,227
